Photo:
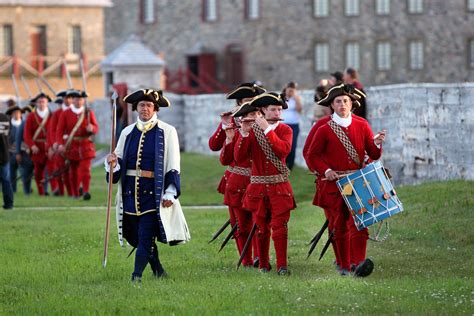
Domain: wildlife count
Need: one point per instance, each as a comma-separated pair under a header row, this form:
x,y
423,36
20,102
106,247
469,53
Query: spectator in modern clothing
x,y
320,93
5,162
291,117
351,76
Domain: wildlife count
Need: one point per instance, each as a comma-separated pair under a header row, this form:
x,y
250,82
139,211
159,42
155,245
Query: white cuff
x,y
224,126
267,130
326,172
107,166
227,141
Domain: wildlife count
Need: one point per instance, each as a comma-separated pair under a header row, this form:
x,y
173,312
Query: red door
x,y
207,68
38,44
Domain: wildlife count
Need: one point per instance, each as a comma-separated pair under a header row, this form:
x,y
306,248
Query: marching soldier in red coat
x,y
37,127
243,93
307,145
237,183
75,129
61,170
267,142
339,147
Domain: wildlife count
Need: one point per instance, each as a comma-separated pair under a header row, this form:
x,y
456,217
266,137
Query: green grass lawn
x,y
51,259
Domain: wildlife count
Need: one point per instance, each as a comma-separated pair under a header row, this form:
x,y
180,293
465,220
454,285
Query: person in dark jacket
x,y
5,162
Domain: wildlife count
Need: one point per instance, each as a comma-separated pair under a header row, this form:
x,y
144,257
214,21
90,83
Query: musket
x,y
68,75
111,177
229,236
17,92
320,233
27,88
43,79
40,88
316,239
247,244
217,234
84,88
326,246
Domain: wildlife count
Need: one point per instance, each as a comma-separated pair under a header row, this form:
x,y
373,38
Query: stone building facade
x,y
304,40
52,28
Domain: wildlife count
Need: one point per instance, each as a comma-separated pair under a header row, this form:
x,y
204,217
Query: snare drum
x,y
369,195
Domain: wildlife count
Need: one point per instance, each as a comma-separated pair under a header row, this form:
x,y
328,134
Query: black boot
x,y
140,265
364,268
87,196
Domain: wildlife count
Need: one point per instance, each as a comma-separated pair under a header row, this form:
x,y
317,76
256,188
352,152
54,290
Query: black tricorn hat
x,y
12,106
246,90
59,101
245,109
342,89
151,95
269,98
41,95
27,108
66,93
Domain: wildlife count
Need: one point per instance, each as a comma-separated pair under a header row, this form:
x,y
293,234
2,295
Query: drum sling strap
x,y
40,126
267,150
346,142
74,129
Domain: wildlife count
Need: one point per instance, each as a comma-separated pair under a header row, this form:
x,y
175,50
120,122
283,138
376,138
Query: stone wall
x,y
430,127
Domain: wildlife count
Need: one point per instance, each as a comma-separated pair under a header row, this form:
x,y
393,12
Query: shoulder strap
x,y
74,130
346,142
40,126
267,149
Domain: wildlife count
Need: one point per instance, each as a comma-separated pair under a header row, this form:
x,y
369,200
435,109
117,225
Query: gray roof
x,y
132,52
58,3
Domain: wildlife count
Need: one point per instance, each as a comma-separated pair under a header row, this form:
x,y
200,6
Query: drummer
x,y
338,148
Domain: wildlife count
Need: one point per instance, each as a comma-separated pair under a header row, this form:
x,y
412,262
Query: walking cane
x,y
111,177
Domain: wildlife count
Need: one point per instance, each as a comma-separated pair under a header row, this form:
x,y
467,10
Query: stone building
x,y
30,28
390,41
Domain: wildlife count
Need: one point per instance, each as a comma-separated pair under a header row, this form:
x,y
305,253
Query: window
x,y
471,53
383,56
210,10
252,9
352,55
321,57
470,5
351,7
148,11
74,40
320,8
415,6
382,7
416,55
6,40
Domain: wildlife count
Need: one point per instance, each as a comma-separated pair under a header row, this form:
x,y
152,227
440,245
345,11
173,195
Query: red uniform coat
x,y
280,194
216,142
32,123
81,146
52,134
236,183
307,145
327,152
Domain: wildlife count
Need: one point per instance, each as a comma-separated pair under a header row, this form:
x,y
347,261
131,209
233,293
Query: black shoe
x,y
56,193
264,270
80,191
256,262
8,207
364,269
344,272
161,275
87,196
46,193
283,271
